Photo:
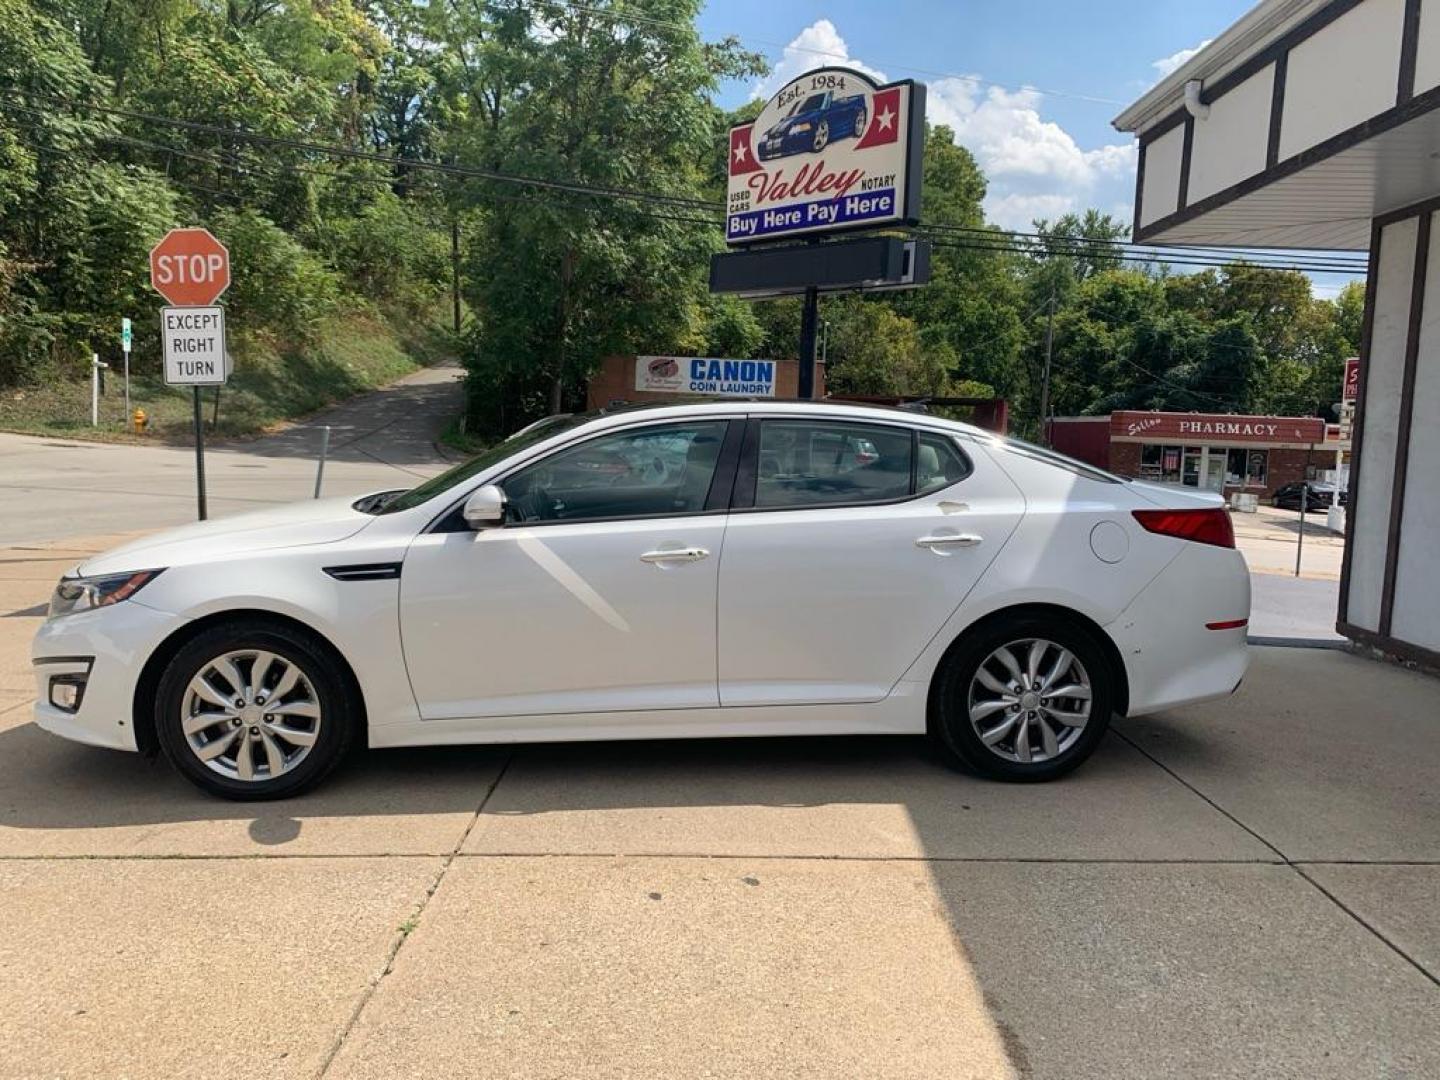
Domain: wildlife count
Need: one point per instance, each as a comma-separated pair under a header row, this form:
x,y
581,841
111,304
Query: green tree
x,y
617,103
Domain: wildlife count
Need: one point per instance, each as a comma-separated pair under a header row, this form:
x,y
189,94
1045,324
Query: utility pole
x,y
1045,379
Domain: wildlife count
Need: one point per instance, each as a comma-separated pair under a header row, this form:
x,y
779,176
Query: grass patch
x,y
272,382
458,439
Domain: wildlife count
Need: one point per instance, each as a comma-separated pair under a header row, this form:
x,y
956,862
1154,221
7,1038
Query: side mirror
x,y
485,507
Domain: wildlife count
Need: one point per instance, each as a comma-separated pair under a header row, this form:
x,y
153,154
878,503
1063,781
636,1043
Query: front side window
x,y
649,472
803,463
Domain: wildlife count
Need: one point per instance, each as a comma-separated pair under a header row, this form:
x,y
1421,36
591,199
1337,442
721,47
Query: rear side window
x,y
804,463
1050,457
938,464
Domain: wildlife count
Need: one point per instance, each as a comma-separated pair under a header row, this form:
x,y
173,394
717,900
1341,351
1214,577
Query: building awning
x,y
1307,119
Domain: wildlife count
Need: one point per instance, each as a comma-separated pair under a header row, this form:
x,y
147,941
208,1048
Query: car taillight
x,y
1201,526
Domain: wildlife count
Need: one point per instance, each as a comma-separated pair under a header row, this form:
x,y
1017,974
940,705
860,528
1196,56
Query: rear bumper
x,y
1171,658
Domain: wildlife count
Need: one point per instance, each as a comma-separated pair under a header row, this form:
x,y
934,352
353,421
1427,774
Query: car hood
x,y
317,521
1176,497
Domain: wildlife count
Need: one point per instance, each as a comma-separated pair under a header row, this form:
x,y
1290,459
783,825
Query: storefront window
x,y
1246,466
1160,463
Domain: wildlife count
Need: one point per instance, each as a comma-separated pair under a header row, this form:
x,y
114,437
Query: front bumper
x,y
103,652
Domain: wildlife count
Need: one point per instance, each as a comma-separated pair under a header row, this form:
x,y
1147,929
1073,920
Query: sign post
x,y
125,346
1349,393
190,268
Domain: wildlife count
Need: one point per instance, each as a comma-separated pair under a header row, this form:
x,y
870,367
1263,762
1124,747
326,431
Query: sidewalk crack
x,y
409,926
1294,867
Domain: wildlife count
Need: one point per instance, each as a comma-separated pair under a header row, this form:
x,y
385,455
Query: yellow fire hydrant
x,y
140,419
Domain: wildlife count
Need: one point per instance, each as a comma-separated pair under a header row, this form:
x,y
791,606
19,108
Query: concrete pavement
x,y
1282,605
53,488
1238,889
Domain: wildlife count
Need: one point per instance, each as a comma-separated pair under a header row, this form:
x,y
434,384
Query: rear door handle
x,y
948,540
668,555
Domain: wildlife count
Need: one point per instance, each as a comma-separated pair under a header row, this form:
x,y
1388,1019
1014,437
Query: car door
x,y
596,595
849,546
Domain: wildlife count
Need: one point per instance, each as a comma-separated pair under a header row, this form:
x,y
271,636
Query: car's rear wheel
x,y
859,122
254,710
1025,697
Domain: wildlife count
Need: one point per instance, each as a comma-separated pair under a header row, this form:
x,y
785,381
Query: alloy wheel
x,y
822,135
1029,700
860,119
250,715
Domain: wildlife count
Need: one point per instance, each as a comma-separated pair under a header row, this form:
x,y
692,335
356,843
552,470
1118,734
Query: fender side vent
x,y
375,571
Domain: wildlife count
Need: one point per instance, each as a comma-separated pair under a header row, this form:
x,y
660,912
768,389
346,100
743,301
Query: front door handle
x,y
948,540
669,555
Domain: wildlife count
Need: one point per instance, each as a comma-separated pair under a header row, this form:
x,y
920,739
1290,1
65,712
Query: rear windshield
x,y
1080,468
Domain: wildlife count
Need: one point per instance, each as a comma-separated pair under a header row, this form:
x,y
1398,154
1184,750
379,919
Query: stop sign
x,y
190,268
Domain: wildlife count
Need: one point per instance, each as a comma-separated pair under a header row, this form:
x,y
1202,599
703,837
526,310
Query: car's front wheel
x,y
1026,697
254,710
822,136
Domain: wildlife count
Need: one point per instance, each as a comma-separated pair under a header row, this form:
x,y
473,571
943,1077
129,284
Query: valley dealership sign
x,y
1215,427
830,151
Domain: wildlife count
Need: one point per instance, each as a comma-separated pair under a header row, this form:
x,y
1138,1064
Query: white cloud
x,y
818,45
1034,166
1169,64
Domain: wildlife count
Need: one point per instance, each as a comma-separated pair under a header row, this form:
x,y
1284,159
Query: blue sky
x,y
1044,150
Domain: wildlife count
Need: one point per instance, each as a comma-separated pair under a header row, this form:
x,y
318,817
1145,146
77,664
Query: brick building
x,y
1228,454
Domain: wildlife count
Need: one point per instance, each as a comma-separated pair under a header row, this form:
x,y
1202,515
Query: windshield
x,y
529,436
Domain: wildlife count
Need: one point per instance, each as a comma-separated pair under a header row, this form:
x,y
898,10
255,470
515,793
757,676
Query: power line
x,y
1119,255
1342,264
250,170
573,187
982,239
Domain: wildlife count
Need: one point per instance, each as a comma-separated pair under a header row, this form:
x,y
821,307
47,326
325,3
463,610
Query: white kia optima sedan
x,y
698,570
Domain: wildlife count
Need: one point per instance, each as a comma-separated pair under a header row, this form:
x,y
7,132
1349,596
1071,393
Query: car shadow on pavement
x,y
871,796
1117,891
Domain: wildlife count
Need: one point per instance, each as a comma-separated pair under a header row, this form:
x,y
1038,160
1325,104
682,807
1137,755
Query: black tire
x,y
951,691
821,139
340,713
859,128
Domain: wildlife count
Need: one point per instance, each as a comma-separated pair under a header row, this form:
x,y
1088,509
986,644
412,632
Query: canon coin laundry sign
x,y
830,151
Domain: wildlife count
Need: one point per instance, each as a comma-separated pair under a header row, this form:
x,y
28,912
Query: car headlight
x,y
74,594
797,129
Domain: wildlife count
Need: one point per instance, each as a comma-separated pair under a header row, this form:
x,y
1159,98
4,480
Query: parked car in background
x,y
1317,496
814,123
723,569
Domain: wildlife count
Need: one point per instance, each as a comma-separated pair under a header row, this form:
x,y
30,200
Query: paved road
x,y
53,489
1240,889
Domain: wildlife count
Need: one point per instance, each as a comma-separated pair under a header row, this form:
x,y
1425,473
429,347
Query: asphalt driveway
x,y
59,488
1238,889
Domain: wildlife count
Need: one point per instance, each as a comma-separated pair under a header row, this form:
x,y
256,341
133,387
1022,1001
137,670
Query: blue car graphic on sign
x,y
814,124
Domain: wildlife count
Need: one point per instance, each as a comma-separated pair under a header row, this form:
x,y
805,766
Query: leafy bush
x,y
275,283
392,253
